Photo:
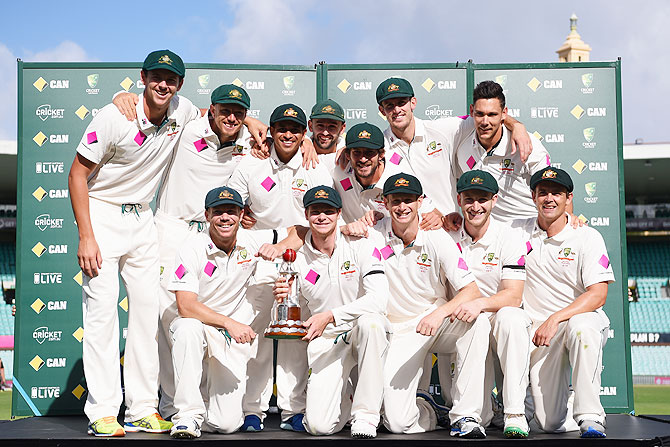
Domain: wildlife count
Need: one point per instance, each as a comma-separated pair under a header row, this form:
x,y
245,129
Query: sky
x,y
346,31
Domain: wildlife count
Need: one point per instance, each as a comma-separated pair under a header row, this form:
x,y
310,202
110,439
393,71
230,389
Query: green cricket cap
x,y
231,94
322,194
550,174
365,135
327,109
164,59
394,88
477,179
402,184
288,112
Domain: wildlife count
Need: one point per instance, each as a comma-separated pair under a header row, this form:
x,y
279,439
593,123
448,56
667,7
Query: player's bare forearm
x,y
189,307
510,296
468,293
88,252
594,298
257,129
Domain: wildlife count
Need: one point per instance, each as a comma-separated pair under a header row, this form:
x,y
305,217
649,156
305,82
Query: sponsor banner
x,y
662,380
633,224
649,337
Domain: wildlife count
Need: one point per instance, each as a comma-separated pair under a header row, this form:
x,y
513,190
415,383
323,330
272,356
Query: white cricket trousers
x,y
331,360
172,232
578,344
225,376
127,239
403,412
291,373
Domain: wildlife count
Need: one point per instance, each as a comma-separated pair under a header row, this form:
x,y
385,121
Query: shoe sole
x,y
363,435
289,427
116,434
183,434
251,429
593,434
146,430
475,433
515,433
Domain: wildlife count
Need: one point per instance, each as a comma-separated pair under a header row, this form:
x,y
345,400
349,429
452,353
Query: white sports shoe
x,y
467,427
185,429
363,429
516,426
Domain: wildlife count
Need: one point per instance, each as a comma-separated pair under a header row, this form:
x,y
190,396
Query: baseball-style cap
x,y
402,184
288,112
477,179
223,196
394,88
322,194
550,174
164,59
231,94
365,135
327,109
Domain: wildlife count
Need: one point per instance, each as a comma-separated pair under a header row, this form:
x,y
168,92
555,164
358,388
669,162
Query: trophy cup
x,y
286,321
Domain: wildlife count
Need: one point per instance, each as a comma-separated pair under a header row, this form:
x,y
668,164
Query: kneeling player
x,y
211,335
568,271
420,266
343,281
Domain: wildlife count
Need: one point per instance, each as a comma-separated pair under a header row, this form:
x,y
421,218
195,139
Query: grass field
x,y
649,399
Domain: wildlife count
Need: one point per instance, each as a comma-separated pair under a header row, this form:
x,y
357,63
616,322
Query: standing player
x,y
209,150
114,176
420,266
488,147
273,189
568,272
496,258
428,146
346,290
211,333
360,183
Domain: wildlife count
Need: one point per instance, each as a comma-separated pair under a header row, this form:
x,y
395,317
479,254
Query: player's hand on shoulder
x,y
431,323
316,324
521,141
126,103
309,156
545,333
240,332
261,151
341,158
280,289
90,259
431,220
258,131
452,221
576,222
357,228
248,221
371,217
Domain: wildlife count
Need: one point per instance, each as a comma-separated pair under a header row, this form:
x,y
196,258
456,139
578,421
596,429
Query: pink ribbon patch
x,y
346,184
139,138
377,254
181,271
529,247
268,184
312,277
462,264
386,252
471,162
92,137
521,261
604,261
209,268
200,144
395,158
458,244
463,116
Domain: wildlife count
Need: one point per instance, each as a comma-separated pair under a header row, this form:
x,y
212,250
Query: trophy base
x,y
292,330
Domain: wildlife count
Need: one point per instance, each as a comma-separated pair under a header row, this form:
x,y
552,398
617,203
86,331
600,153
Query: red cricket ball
x,y
289,255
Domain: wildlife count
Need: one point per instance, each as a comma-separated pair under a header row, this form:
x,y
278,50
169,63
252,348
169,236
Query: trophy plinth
x,y
286,321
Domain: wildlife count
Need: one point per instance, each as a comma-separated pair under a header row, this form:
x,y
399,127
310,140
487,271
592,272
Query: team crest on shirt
x,y
434,147
172,130
347,269
243,255
424,262
507,166
379,202
490,262
238,150
566,256
299,186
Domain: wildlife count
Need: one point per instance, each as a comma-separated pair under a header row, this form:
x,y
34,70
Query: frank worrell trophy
x,y
286,321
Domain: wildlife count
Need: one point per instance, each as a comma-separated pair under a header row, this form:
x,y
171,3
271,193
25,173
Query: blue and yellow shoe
x,y
106,427
153,423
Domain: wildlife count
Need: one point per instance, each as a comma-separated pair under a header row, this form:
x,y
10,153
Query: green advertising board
x,y
57,101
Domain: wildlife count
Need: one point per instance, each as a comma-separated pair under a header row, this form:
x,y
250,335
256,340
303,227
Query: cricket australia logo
x,y
346,270
566,256
424,262
433,148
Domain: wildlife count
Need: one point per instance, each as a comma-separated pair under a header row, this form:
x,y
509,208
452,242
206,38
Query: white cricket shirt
x,y
132,155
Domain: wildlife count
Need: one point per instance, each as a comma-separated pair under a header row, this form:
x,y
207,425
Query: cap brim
x,y
226,202
325,202
568,187
232,101
163,67
327,116
364,144
394,95
289,118
402,190
479,187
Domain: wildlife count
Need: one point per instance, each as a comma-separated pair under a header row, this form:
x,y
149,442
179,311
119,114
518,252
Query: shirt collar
x,y
211,247
500,148
294,163
562,236
313,251
142,118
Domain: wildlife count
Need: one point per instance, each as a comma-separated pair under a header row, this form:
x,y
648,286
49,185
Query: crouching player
x,y
568,272
343,282
211,335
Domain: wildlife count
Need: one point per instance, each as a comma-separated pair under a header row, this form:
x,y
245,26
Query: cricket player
x,y
496,257
114,176
210,331
567,274
428,145
327,124
420,266
273,189
209,150
343,281
488,147
360,183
